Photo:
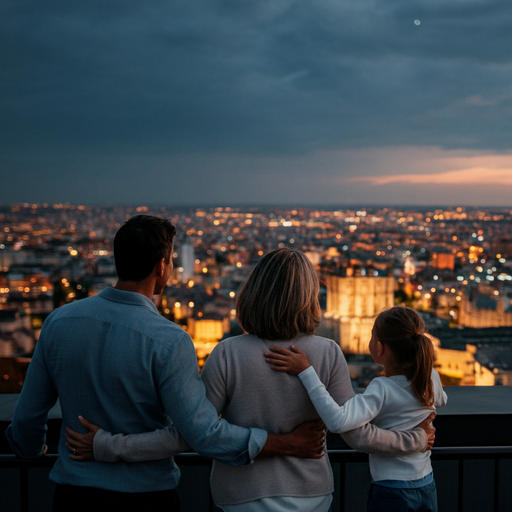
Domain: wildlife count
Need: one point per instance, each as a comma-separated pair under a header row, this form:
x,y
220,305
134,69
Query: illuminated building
x,y
353,302
206,333
443,260
485,312
459,367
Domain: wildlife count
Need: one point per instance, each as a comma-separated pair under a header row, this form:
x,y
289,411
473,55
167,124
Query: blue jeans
x,y
390,499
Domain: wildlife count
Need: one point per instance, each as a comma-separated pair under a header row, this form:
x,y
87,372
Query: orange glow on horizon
x,y
454,170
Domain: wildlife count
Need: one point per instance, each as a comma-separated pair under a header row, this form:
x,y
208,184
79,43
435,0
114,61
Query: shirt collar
x,y
124,297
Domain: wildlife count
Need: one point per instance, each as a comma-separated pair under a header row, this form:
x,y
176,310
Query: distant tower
x,y
352,304
187,261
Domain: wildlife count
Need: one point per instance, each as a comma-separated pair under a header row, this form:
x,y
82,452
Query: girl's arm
x,y
369,438
354,413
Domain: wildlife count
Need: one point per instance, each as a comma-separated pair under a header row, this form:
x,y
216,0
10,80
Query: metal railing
x,y
340,457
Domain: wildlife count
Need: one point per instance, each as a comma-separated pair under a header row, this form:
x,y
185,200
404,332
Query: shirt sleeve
x,y
214,378
369,438
440,397
159,444
27,432
184,396
168,442
354,413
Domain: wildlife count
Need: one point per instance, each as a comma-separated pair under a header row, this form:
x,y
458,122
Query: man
x,y
115,360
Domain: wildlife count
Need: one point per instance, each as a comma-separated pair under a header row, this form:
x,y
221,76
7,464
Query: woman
x,y
277,305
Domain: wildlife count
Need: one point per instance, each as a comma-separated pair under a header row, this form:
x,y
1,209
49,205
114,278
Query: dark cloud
x,y
275,78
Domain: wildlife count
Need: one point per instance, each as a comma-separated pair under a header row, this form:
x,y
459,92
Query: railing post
x,y
342,486
496,484
24,489
460,486
210,497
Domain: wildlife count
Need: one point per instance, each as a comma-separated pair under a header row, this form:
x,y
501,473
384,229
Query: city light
x,y
447,262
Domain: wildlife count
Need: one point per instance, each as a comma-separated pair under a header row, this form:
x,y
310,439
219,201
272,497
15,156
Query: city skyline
x,y
282,102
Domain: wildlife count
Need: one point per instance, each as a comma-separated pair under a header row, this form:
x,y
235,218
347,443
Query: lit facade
x,y
485,312
459,367
353,302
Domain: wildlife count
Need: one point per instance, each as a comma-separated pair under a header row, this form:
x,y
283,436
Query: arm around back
x,y
184,396
305,441
159,444
369,438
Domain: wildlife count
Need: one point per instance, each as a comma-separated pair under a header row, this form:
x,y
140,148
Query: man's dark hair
x,y
140,244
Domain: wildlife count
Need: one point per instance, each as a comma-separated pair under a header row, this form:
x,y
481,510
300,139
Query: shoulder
x,y
80,307
319,343
241,342
244,343
322,349
168,332
436,379
380,385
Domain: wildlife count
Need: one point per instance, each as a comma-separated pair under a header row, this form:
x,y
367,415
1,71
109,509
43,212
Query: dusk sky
x,y
324,102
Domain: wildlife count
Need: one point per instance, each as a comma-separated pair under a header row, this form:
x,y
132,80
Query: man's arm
x,y
306,441
184,397
27,432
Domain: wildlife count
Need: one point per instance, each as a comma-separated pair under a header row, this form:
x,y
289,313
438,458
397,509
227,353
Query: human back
x,y
244,389
105,355
278,302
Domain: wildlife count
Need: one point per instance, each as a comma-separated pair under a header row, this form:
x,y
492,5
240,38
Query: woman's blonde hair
x,y
279,299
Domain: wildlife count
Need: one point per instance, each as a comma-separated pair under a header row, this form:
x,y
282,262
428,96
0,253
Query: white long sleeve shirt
x,y
389,403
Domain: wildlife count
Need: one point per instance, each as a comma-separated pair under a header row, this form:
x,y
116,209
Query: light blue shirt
x,y
114,360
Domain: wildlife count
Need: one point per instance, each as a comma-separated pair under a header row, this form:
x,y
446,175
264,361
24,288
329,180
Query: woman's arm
x,y
305,441
159,444
371,439
101,445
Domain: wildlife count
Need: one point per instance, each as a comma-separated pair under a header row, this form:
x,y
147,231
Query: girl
x,y
408,393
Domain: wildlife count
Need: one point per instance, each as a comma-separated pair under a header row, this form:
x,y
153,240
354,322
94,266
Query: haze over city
x,y
274,102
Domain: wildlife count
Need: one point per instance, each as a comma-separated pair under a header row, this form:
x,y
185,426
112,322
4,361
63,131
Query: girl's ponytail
x,y
402,329
421,378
